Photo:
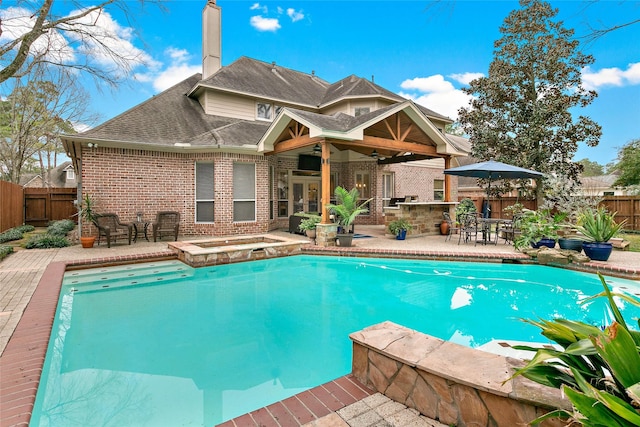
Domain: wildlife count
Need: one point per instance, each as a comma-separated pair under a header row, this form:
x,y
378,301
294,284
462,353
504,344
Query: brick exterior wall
x,y
125,182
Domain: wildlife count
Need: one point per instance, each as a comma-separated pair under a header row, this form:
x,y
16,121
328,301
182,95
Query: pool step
x,y
129,275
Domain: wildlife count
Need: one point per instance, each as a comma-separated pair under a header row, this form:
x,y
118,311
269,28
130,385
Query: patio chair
x,y
453,228
469,228
510,230
109,226
167,222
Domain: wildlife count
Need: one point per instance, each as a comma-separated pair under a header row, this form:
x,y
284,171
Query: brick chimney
x,y
211,39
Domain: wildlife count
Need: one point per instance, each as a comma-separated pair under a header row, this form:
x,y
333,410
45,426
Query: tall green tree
x,y
521,113
628,165
591,168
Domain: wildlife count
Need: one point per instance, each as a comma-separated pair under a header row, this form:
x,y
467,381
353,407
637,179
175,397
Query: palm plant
x,y
347,206
598,370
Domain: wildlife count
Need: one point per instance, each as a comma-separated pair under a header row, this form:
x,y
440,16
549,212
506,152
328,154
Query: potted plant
x,y
598,226
86,212
569,238
345,210
465,206
538,228
399,228
308,225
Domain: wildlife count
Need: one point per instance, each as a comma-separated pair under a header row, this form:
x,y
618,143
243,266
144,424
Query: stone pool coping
x,y
23,358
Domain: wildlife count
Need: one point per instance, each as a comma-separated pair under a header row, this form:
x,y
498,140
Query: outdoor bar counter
x,y
425,217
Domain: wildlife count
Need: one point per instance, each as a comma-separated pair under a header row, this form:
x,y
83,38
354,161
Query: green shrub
x,y
10,234
60,228
46,241
25,228
5,251
598,370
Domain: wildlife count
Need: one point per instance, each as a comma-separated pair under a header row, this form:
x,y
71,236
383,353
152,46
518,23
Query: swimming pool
x,y
165,344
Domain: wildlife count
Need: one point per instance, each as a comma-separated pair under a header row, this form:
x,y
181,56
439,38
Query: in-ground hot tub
x,y
225,250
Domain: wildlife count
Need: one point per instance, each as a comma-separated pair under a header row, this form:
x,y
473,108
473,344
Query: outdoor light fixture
x,y
92,145
317,149
374,154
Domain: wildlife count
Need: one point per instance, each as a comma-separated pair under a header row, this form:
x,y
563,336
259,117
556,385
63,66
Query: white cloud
x,y
265,24
294,15
111,41
436,93
611,76
465,78
178,69
256,6
435,83
174,74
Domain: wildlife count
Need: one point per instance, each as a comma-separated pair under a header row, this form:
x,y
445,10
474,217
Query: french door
x,y
305,194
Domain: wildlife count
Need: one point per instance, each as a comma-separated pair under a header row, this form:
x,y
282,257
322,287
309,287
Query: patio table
x,y
488,225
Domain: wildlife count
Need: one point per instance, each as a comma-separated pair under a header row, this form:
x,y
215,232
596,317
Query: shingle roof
x,y
171,117
247,75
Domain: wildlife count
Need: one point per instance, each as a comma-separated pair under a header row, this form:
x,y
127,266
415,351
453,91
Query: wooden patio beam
x,y
293,143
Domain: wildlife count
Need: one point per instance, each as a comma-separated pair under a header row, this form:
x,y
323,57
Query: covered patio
x,y
396,134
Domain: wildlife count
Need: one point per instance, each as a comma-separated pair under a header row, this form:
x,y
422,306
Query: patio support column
x,y
325,172
447,180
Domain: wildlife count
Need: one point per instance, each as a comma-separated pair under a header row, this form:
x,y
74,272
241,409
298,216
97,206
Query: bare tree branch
x,y
78,40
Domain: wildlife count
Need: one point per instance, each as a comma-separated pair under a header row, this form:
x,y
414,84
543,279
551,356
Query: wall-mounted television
x,y
307,162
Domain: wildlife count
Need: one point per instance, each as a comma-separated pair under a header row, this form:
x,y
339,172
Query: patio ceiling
x,y
395,136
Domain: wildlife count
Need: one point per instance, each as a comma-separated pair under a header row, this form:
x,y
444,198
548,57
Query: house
x,y
62,176
240,148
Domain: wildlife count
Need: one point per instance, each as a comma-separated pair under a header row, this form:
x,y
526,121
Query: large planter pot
x,y
570,244
444,228
344,240
550,243
310,233
402,234
87,242
597,251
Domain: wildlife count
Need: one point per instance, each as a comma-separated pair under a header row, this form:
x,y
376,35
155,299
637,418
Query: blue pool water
x,y
163,344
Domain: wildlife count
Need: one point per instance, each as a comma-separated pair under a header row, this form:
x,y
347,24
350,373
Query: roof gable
x,y
416,130
269,81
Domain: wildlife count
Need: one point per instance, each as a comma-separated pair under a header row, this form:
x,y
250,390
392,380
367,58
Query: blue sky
x,y
426,53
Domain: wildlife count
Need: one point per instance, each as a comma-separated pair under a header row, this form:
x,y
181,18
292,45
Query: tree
x,y
85,39
628,164
590,168
521,112
31,119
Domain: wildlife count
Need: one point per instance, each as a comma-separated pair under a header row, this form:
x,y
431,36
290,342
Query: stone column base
x,y
326,234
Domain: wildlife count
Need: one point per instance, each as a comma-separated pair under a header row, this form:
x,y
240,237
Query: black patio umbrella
x,y
493,170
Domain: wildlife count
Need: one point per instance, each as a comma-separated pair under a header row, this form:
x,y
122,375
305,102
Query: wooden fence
x,y
42,205
11,212
627,208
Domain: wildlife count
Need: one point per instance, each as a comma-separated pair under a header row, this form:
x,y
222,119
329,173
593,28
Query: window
x,y
438,189
388,188
71,174
283,194
244,192
267,111
363,184
272,173
361,110
609,193
204,192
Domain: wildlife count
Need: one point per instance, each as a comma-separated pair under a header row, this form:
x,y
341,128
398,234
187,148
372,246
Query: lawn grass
x,y
634,238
